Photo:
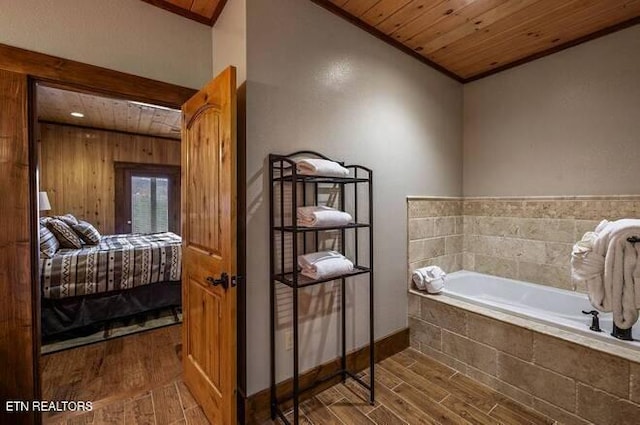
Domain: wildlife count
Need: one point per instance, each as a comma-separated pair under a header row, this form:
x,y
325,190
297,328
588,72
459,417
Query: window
x,y
147,198
149,204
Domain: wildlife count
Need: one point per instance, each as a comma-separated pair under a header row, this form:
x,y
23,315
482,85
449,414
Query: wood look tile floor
x,y
412,388
136,380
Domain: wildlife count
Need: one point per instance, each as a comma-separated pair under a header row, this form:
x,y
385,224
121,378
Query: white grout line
x,y
491,410
153,405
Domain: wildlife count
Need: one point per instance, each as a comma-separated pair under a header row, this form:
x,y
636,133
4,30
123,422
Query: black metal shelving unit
x,y
296,190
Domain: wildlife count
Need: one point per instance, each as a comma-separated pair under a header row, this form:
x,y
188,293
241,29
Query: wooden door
x,y
209,247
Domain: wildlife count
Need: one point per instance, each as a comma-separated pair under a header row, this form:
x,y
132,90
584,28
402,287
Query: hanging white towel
x,y
328,268
322,216
610,267
321,167
430,279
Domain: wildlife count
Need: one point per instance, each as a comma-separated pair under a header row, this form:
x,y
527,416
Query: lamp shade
x,y
43,202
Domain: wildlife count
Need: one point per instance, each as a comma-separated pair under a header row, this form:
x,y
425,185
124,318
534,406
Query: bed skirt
x,y
85,313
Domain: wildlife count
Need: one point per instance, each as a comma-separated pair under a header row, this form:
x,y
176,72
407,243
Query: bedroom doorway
x,y
111,295
127,355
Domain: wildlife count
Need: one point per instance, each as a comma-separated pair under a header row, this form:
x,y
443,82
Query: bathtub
x,y
550,306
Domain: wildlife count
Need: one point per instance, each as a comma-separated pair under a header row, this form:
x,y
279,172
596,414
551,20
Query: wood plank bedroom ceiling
x,y
56,106
472,38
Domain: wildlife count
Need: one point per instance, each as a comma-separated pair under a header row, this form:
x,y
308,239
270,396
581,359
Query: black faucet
x,y
595,322
623,334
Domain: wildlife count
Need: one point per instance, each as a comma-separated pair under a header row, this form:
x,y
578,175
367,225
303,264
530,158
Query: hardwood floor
x,y
136,380
114,373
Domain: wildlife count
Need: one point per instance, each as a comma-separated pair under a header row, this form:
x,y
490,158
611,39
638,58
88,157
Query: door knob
x,y
224,280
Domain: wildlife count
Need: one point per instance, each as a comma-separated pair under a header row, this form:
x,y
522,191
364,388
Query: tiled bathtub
x,y
560,371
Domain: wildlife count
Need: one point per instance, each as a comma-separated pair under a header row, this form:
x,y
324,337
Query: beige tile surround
x,y
570,378
527,238
529,362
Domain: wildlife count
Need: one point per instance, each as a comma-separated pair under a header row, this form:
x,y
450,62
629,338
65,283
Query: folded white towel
x,y
430,279
322,216
308,260
321,167
610,267
328,268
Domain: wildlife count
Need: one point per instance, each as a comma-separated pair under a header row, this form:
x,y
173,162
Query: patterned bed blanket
x,y
119,262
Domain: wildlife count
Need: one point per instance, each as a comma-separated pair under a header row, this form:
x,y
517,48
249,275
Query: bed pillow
x,y
87,232
65,234
48,242
68,219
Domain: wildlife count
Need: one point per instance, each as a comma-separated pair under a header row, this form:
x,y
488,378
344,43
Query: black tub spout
x,y
623,334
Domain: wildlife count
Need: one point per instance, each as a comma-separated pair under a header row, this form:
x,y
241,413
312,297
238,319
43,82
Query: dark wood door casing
x,y
18,332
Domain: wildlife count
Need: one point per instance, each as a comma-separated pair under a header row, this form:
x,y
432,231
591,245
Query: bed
x,y
122,276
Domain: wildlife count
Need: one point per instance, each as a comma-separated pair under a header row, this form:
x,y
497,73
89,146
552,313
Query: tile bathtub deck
x,y
411,389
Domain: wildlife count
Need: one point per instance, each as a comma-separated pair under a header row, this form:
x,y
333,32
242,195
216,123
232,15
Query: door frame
x,y
77,76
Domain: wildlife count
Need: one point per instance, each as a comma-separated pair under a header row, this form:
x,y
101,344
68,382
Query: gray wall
x,y
125,35
229,39
317,82
567,124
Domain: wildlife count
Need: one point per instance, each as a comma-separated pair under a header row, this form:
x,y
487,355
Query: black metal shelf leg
x,y
296,364
343,320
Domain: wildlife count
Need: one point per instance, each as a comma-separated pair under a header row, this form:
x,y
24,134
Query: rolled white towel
x,y
328,268
322,216
321,167
308,260
430,279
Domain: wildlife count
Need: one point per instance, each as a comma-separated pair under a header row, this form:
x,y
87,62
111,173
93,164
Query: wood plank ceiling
x,y
469,39
203,11
56,105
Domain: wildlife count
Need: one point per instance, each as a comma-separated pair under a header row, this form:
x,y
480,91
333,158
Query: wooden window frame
x,y
124,171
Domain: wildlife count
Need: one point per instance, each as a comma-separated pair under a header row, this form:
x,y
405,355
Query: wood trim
x,y
34,159
326,4
92,78
217,12
126,133
257,407
189,14
19,371
555,49
180,11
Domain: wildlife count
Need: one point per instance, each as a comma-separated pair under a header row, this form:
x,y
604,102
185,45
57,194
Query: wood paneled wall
x,y
77,168
18,379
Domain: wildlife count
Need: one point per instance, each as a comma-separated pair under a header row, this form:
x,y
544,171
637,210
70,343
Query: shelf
x,y
319,229
287,278
282,168
321,179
